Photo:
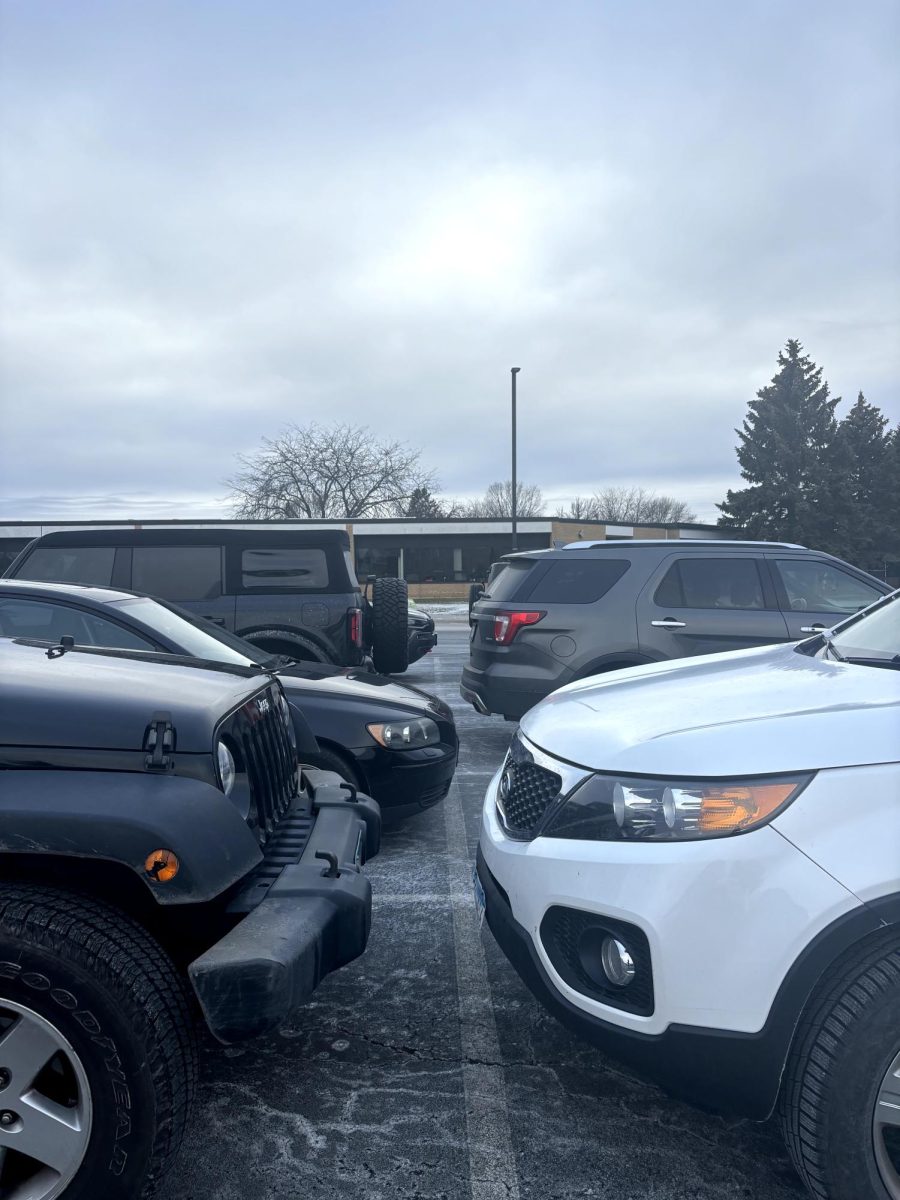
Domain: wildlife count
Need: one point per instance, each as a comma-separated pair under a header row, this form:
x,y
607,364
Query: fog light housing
x,y
618,965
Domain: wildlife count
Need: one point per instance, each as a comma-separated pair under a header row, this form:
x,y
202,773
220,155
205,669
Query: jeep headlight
x,y
406,735
225,764
610,808
285,709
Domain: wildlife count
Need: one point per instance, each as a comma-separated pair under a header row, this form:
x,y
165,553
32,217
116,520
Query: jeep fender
x,y
319,649
123,817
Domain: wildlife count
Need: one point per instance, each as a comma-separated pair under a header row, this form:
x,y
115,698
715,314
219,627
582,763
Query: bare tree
x,y
327,471
497,501
627,505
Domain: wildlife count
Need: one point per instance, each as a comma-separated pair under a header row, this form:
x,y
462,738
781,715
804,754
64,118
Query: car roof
x,y
706,543
194,535
77,591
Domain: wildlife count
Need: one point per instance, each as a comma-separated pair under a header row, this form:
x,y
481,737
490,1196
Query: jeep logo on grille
x,y
262,705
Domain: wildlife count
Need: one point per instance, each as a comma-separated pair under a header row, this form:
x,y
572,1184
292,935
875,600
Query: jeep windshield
x,y
192,638
872,639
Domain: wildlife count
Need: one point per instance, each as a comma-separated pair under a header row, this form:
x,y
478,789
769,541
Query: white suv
x,y
697,865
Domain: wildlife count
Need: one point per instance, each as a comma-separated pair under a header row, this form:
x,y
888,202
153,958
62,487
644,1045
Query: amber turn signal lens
x,y
727,809
162,865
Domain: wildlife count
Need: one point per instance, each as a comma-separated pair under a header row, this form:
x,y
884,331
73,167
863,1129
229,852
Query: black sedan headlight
x,y
406,735
610,808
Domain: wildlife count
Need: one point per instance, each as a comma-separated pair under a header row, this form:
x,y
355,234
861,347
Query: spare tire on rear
x,y
390,626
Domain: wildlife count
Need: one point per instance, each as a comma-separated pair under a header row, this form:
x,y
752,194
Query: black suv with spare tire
x,y
160,854
290,591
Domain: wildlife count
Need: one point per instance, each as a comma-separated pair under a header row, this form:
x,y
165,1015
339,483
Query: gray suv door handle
x,y
668,623
817,628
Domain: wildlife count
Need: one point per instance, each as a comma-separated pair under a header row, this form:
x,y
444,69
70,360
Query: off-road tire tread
x,y
116,951
863,975
390,626
294,644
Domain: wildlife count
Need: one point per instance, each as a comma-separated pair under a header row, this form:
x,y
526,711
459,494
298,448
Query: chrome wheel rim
x,y
886,1129
45,1107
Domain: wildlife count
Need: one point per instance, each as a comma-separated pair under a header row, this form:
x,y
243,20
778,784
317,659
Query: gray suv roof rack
x,y
677,542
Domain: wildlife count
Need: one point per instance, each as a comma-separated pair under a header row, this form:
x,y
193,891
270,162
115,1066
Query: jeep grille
x,y
259,731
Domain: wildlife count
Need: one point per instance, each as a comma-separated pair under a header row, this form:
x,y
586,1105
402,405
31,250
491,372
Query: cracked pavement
x,y
426,1069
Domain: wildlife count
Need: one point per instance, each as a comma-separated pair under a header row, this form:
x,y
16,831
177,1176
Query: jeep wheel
x,y
476,591
390,626
97,1057
840,1101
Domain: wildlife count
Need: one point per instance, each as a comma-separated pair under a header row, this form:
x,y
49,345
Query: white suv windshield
x,y
874,636
191,639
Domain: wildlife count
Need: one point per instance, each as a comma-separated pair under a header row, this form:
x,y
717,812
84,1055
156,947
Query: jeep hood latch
x,y
159,742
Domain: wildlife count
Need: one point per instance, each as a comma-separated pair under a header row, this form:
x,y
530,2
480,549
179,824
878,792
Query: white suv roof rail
x,y
678,542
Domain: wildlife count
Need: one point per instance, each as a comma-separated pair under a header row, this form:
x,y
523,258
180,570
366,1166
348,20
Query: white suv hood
x,y
749,712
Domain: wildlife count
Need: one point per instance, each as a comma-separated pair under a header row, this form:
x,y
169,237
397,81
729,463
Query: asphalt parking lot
x,y
426,1069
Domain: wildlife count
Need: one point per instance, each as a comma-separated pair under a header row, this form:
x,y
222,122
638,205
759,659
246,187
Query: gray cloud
x,y
213,225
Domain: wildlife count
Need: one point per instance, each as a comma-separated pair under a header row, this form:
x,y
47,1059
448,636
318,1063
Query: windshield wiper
x,y
890,663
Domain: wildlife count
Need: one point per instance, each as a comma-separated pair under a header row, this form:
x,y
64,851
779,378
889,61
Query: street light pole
x,y
514,497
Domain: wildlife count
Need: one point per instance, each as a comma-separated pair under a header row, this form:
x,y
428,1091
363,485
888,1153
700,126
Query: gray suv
x,y
552,616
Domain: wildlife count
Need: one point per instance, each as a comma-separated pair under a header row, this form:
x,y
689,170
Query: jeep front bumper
x,y
304,912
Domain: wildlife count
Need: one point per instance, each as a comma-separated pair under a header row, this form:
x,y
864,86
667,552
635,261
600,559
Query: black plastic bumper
x,y
301,916
488,693
728,1071
421,642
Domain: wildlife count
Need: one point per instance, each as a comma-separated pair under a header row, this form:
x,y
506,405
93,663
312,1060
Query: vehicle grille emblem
x,y
262,705
506,783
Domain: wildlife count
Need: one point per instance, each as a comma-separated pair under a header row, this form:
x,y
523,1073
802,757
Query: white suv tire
x,y
845,1049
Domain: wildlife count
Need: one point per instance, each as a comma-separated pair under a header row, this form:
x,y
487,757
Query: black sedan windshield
x,y
197,641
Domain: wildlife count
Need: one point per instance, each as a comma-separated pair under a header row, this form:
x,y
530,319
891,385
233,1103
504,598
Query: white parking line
x,y
492,1164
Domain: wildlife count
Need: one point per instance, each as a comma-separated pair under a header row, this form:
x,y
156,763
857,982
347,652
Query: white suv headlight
x,y
608,808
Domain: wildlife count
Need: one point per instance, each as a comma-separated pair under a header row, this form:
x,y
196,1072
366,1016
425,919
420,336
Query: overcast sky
x,y
219,217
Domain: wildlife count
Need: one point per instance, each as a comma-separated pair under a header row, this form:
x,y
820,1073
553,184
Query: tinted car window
x,y
291,567
505,584
49,622
574,582
178,572
198,640
69,564
711,583
813,586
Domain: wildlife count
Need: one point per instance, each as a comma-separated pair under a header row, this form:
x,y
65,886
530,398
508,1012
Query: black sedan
x,y
422,638
394,742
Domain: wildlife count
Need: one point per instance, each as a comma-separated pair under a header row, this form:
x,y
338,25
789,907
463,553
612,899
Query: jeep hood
x,y
748,712
106,701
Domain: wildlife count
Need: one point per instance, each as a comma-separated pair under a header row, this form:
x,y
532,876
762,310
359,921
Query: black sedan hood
x,y
346,683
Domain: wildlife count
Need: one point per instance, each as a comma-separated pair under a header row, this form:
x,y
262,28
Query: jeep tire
x,y
78,975
841,1089
390,626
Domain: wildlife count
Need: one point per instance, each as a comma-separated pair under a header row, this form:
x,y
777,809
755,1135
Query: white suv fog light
x,y
618,965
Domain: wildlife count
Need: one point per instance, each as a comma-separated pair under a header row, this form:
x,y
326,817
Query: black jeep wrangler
x,y
291,591
161,857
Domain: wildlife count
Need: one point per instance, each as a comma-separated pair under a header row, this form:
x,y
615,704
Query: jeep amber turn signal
x,y
607,808
162,865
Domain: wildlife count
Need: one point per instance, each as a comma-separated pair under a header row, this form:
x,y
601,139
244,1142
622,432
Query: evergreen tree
x,y
423,506
891,507
783,449
858,473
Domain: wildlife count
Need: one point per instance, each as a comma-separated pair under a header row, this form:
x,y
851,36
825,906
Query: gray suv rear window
x,y
291,567
70,564
505,584
577,581
711,583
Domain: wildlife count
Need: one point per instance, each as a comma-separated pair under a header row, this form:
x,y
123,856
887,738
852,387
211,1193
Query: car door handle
x,y
215,620
668,623
817,628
